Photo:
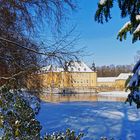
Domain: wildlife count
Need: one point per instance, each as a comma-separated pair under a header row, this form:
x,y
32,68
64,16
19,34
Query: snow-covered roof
x,y
72,66
123,76
106,79
78,66
51,68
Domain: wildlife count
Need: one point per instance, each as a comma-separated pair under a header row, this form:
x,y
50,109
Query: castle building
x,y
76,77
117,83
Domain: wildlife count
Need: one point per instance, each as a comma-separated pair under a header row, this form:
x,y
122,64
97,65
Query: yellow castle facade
x,y
78,77
117,83
69,79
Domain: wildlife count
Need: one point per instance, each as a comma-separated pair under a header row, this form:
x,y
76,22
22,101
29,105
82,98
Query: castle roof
x,y
123,76
72,66
78,66
106,79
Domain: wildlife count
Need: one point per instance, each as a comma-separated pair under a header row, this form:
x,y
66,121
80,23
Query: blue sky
x,y
101,39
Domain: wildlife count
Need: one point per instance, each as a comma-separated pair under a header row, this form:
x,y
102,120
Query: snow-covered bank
x,y
95,119
114,94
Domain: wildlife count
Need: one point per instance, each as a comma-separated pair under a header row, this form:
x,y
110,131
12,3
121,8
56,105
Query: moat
x,y
109,117
103,96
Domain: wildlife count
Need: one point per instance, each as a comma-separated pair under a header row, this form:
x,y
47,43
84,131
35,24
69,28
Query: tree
x,y
21,56
133,84
128,8
137,56
113,71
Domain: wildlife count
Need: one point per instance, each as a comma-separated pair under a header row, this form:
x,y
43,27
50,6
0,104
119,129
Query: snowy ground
x,y
114,94
95,119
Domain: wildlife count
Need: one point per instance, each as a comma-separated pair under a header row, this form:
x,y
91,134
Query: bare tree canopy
x,y
113,71
25,14
21,56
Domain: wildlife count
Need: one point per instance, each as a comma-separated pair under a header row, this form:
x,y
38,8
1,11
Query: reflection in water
x,y
79,97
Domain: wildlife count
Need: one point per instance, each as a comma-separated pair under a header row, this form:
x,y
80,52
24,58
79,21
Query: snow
x,y
135,78
95,119
73,66
78,66
136,93
114,94
137,17
137,29
51,68
106,79
125,26
123,76
102,2
136,66
129,23
134,83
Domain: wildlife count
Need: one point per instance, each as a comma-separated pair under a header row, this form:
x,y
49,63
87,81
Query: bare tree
x,y
21,56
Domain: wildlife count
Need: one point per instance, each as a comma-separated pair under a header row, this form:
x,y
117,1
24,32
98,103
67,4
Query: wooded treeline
x,y
112,70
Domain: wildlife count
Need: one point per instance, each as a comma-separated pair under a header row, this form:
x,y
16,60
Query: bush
x,y
68,135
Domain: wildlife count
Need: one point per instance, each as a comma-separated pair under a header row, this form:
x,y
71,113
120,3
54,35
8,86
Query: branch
x,y
25,48
13,76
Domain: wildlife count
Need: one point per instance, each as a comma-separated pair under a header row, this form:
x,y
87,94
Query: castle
x,y
77,77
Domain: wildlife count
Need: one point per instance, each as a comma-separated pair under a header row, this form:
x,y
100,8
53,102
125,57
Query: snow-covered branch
x,y
134,29
102,2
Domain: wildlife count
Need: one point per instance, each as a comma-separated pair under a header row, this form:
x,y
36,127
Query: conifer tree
x,y
128,8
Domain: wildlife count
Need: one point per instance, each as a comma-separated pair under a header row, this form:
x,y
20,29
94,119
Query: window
x,y
84,69
78,69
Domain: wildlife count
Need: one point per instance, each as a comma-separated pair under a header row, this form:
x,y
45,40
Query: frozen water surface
x,y
95,119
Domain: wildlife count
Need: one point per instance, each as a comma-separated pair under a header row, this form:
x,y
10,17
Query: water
x,y
56,98
95,119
